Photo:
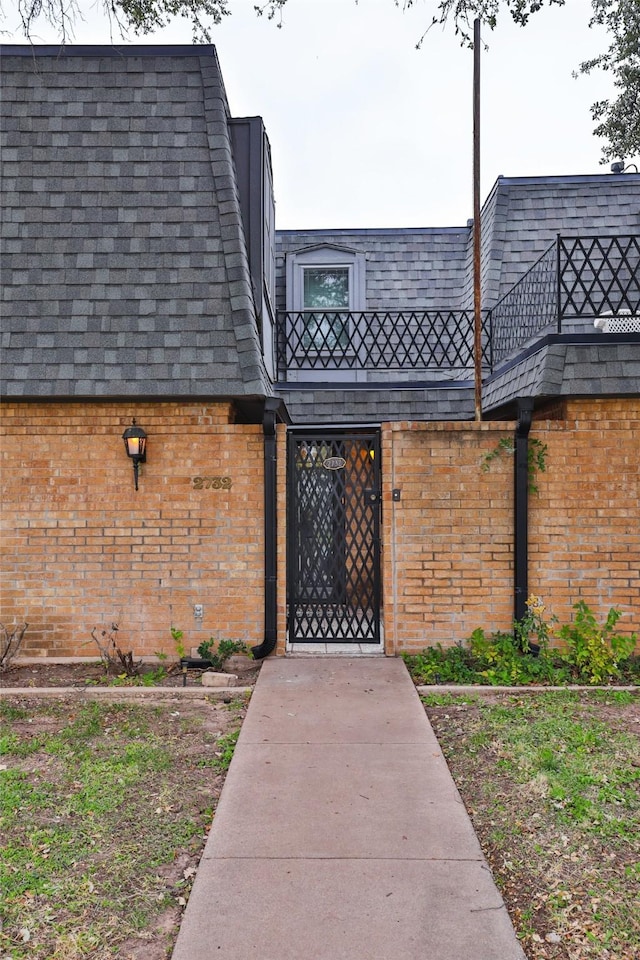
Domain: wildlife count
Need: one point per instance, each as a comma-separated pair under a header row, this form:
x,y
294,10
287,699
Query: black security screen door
x,y
334,538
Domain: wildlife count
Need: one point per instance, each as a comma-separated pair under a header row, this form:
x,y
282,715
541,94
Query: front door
x,y
334,537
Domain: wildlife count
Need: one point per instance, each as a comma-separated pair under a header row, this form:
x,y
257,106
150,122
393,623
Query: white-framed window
x,y
322,279
325,289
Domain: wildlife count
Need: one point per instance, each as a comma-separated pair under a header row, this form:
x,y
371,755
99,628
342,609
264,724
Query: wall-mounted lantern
x,y
135,443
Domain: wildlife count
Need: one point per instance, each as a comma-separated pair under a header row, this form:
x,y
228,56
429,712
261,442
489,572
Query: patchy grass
x,y
104,809
551,783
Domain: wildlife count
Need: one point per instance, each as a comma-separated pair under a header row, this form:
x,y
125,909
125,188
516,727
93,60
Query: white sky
x,y
367,131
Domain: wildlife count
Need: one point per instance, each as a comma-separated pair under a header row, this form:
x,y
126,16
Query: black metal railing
x,y
577,278
598,275
377,340
527,309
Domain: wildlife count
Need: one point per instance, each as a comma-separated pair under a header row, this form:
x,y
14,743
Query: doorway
x,y
333,549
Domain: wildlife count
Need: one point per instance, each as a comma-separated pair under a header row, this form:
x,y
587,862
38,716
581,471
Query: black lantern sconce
x,y
135,443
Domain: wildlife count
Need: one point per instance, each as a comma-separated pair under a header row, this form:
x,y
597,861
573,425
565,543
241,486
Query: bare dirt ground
x,y
45,674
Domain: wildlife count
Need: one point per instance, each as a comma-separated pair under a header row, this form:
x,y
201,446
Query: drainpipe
x,y
521,503
269,421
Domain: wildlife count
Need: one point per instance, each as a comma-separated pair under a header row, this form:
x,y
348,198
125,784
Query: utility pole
x,y
477,279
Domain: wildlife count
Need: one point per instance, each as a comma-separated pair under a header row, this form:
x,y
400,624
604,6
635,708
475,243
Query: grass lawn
x,y
104,811
105,807
551,781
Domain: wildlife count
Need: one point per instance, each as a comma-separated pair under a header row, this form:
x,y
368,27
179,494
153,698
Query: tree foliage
x,y
617,119
125,16
462,13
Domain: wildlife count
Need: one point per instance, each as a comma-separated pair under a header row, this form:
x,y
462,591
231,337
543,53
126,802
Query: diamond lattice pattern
x,y
334,541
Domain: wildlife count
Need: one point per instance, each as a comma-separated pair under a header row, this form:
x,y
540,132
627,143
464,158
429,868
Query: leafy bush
x,y
594,654
532,631
507,659
441,665
225,649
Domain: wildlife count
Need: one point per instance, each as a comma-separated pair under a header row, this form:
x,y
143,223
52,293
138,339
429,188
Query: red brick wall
x,y
584,524
448,542
81,548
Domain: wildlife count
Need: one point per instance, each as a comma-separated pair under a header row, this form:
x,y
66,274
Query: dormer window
x,y
321,280
325,289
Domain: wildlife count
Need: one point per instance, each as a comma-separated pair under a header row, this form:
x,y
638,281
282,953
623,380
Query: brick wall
x,y
81,548
448,542
584,524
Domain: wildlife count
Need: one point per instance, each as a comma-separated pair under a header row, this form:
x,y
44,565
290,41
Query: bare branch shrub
x,y
10,640
113,659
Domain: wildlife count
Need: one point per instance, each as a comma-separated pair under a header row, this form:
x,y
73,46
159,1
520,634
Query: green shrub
x,y
525,656
595,654
532,631
506,659
225,649
441,665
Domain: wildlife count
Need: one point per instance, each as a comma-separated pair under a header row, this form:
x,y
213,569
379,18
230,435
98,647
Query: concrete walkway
x,y
340,834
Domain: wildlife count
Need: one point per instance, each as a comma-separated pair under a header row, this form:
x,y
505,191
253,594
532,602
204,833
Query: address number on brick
x,y
212,483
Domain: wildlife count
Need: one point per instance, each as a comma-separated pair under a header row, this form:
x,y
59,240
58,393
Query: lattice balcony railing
x,y
527,309
377,340
577,278
598,275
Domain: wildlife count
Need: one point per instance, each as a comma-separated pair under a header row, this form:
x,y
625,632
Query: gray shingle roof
x,y
125,269
124,263
431,268
404,268
593,365
522,217
334,404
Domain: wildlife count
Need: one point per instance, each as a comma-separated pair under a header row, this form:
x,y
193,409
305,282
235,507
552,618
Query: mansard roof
x,y
404,267
125,266
124,261
432,267
522,216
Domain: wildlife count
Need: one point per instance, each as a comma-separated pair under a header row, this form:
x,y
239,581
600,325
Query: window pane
x,y
326,288
325,331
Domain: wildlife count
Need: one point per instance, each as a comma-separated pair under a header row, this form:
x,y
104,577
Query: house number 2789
x,y
212,483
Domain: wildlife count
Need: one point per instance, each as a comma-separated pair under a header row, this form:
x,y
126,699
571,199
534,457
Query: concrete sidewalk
x,y
340,834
